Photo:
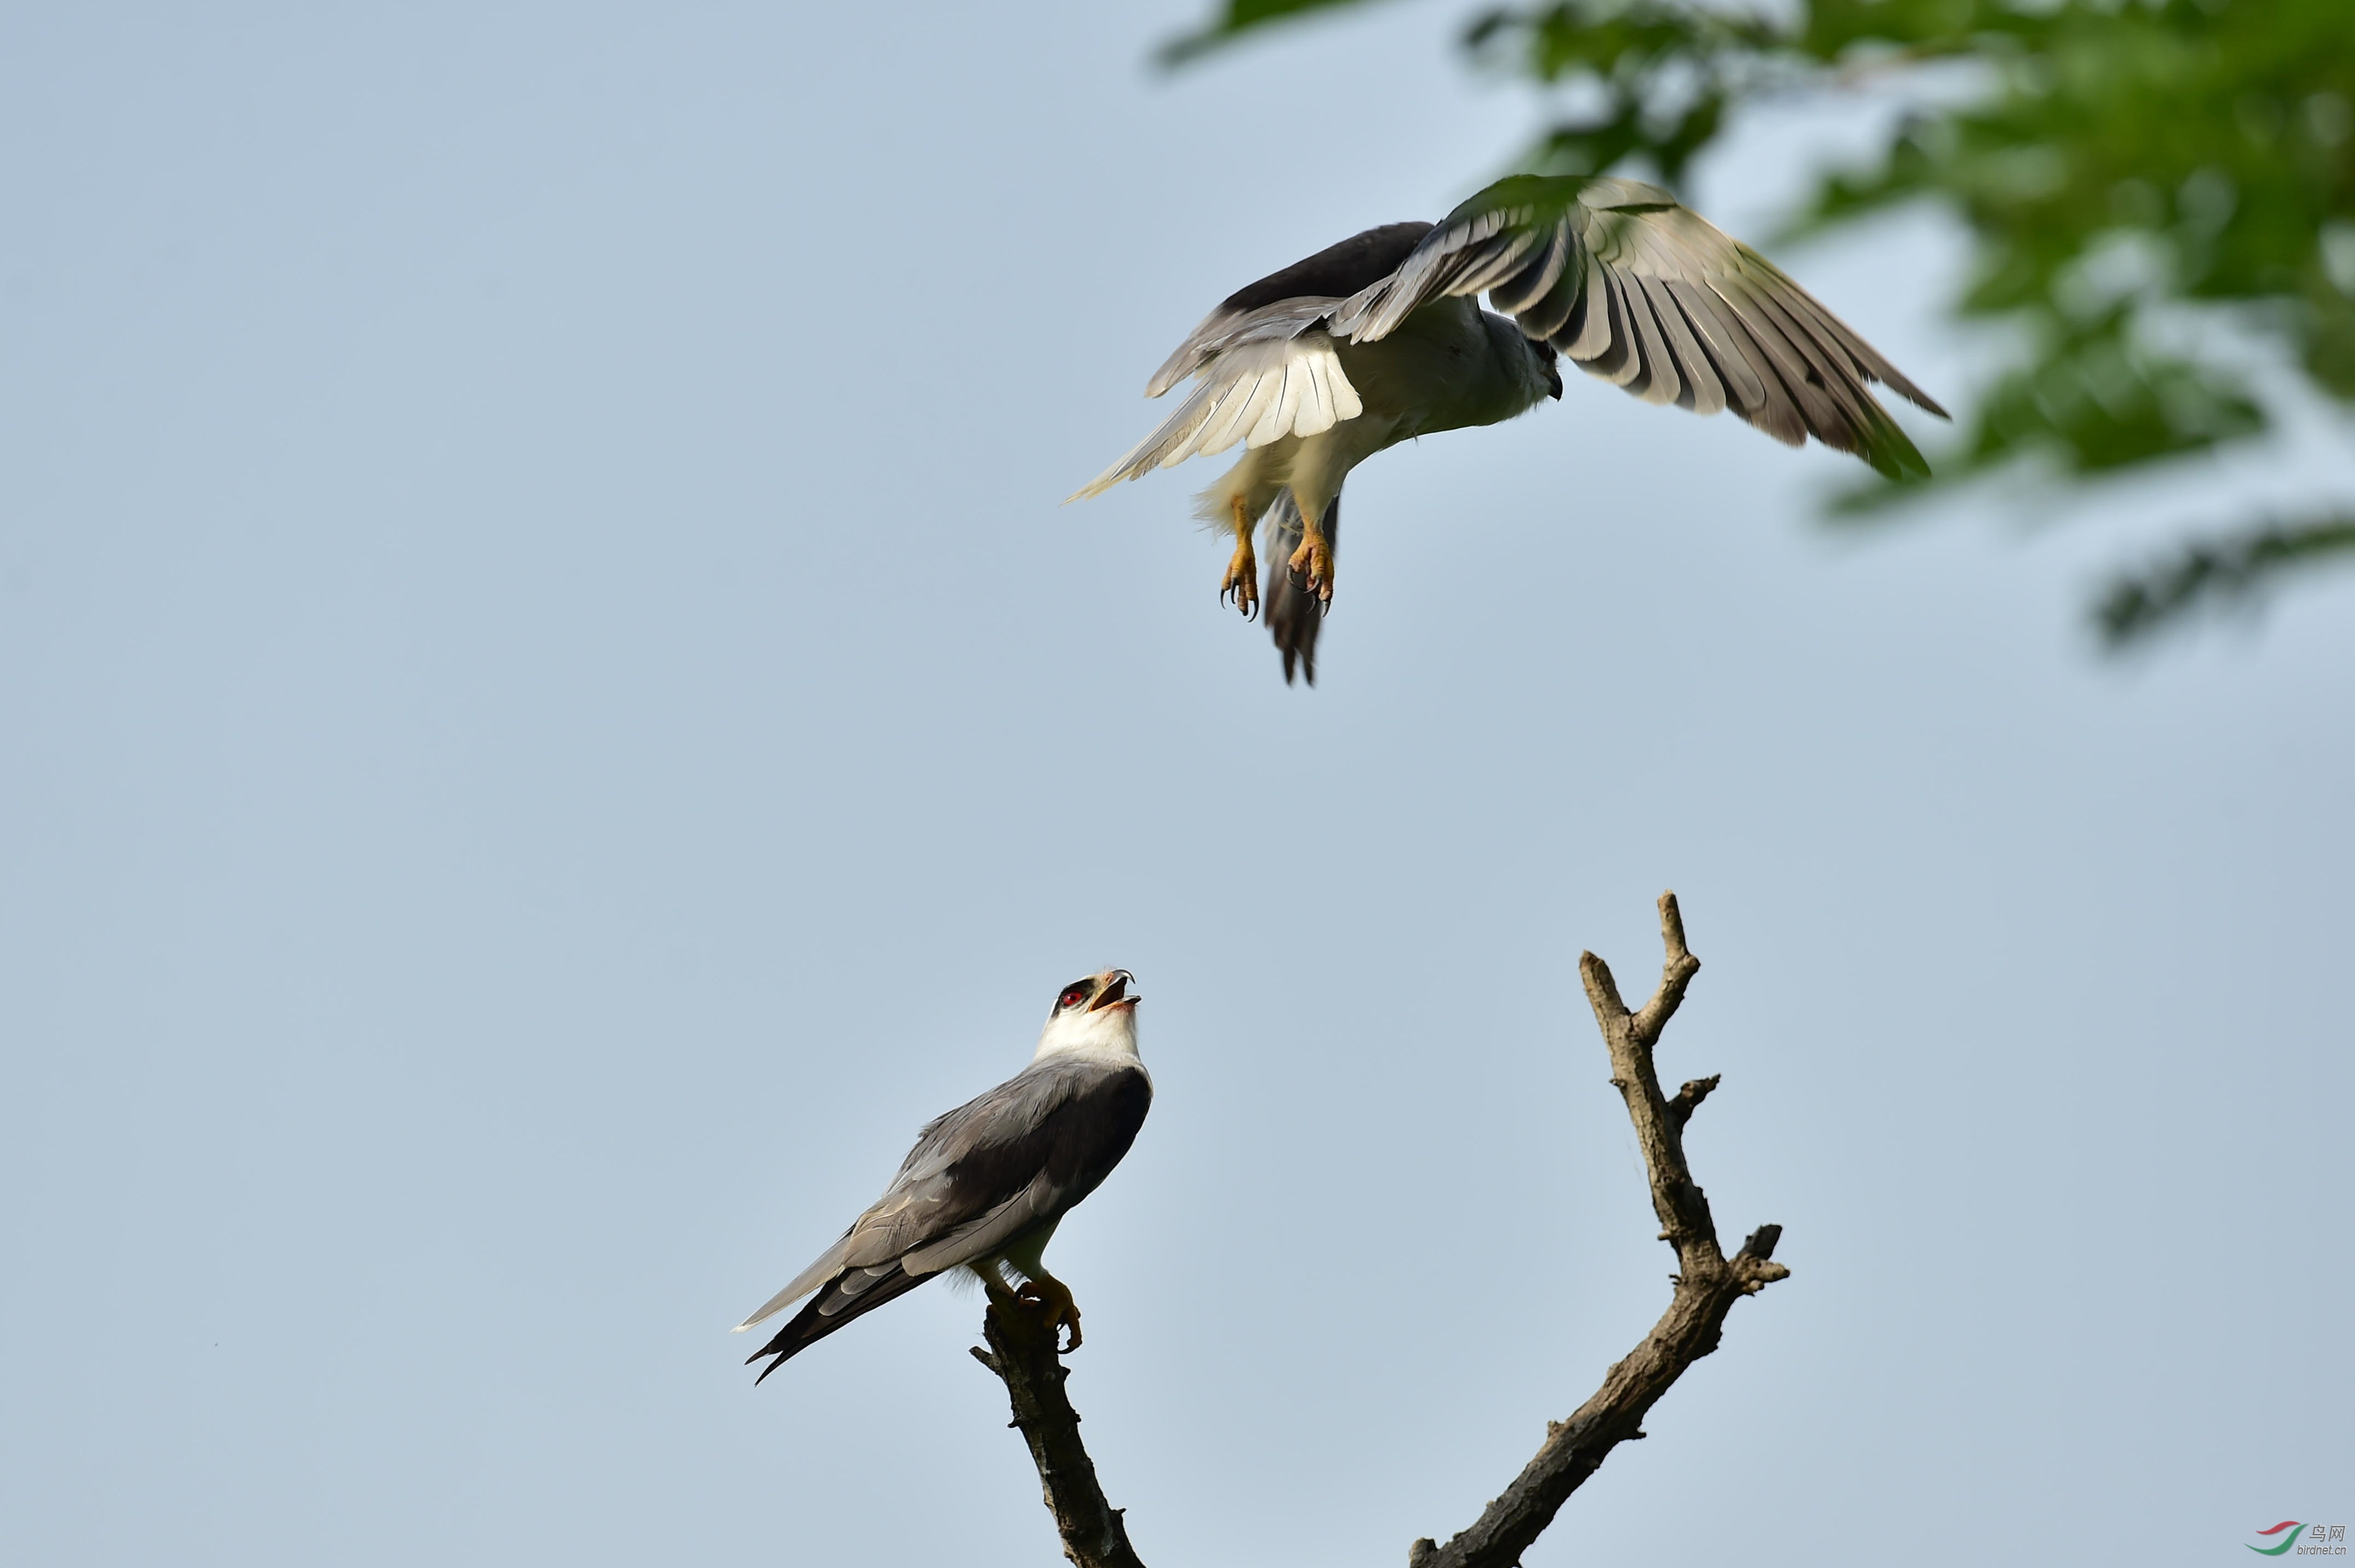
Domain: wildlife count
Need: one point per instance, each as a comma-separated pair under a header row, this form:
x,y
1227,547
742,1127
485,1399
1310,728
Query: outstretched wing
x,y
1642,292
1274,374
1335,272
1001,1165
1268,368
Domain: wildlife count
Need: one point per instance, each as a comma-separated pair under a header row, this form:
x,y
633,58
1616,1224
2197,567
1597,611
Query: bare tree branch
x,y
1022,1353
1688,1099
1708,1284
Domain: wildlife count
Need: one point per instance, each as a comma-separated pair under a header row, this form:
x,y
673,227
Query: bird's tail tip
x,y
1295,616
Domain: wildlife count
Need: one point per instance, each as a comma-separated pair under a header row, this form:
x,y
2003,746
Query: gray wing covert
x,y
924,1200
1266,365
979,1177
1332,274
1642,292
1058,1134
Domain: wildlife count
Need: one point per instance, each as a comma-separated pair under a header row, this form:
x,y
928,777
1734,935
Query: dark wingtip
x,y
827,1311
795,1336
1924,400
1892,452
778,1348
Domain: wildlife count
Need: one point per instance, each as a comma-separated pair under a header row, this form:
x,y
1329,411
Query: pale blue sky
x,y
552,717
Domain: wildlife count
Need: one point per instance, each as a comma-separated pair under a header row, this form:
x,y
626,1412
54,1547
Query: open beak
x,y
1115,993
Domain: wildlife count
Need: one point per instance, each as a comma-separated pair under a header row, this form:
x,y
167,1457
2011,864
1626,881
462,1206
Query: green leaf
x,y
2120,166
2213,574
1239,17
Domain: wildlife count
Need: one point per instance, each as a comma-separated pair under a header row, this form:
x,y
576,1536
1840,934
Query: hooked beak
x,y
1550,361
1115,993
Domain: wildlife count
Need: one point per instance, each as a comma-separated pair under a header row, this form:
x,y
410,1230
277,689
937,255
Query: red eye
x,y
1071,998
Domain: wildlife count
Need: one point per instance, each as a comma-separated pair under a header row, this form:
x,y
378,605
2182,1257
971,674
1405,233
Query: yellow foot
x,y
1055,1304
1242,579
1312,567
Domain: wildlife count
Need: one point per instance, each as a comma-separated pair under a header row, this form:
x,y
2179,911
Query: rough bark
x,y
1708,1284
1022,1353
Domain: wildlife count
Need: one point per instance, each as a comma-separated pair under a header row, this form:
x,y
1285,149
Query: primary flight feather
x,y
1377,340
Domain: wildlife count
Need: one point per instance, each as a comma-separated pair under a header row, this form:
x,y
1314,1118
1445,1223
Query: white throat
x,y
1105,1034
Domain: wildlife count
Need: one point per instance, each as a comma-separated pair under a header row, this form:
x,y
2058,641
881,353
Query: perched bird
x,y
986,1184
1377,340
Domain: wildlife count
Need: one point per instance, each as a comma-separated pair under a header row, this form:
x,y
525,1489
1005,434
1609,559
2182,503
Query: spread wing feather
x,y
1265,374
1644,293
1268,369
1334,273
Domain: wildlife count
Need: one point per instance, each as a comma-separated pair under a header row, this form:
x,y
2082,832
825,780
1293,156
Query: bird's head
x,y
1093,1017
1548,366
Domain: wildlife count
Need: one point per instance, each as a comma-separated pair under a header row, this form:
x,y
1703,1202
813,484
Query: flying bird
x,y
1378,340
988,1183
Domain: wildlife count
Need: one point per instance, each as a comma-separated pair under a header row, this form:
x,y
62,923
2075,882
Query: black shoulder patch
x,y
1337,270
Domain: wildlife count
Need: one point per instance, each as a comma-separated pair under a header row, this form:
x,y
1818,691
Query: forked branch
x,y
1708,1284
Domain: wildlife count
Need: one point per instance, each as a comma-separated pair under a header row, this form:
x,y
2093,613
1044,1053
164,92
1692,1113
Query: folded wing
x,y
1015,1159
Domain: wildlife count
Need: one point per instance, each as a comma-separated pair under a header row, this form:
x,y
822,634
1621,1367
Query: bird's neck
x,y
1107,1041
